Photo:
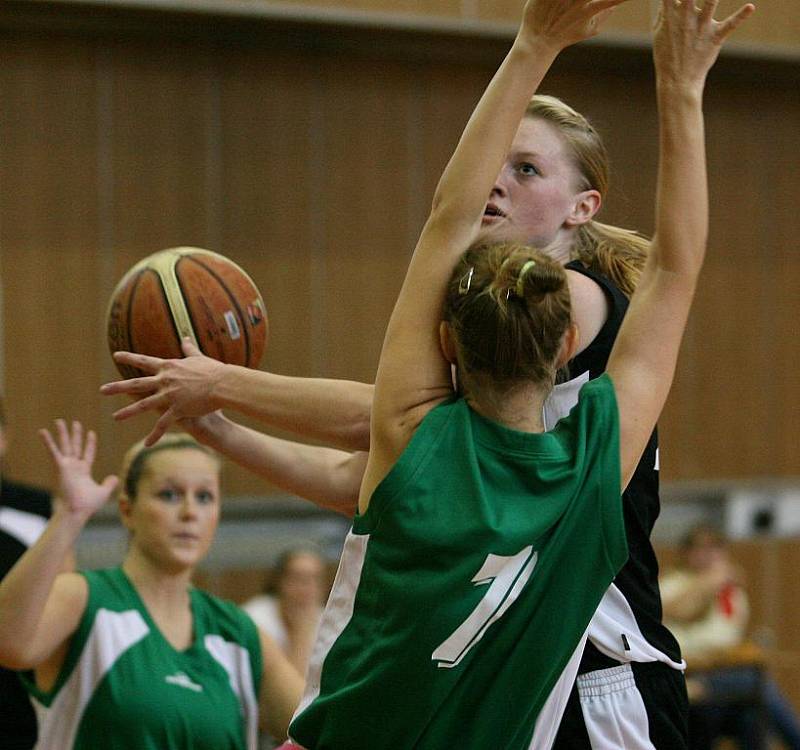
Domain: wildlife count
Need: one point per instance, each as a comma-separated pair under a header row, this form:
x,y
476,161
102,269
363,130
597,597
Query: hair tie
x,y
526,266
466,281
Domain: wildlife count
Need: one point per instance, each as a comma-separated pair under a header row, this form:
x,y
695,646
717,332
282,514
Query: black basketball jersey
x,y
23,515
627,626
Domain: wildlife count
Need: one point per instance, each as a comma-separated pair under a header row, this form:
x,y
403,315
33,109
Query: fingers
x,y
90,448
110,483
707,11
189,348
156,402
134,386
727,27
141,361
64,444
77,438
161,426
47,438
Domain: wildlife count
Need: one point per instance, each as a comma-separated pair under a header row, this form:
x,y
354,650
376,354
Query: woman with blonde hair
x,y
135,657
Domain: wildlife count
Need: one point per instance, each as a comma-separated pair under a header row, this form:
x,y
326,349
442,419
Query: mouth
x,y
185,536
492,214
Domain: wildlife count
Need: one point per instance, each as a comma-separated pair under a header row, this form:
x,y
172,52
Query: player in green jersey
x,y
465,488
135,658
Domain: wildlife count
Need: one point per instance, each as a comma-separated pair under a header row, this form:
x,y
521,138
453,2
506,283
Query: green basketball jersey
x,y
469,583
124,687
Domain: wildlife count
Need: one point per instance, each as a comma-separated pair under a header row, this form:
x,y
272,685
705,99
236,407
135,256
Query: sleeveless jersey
x,y
469,582
124,687
627,626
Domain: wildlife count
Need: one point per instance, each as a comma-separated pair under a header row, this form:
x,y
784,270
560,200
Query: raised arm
x,y
281,689
413,375
642,363
327,477
335,412
40,609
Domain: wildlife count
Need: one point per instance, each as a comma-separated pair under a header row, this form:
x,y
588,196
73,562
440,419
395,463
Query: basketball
x,y
187,291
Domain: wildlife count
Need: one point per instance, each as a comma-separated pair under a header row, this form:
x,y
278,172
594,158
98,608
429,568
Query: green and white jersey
x,y
124,687
468,585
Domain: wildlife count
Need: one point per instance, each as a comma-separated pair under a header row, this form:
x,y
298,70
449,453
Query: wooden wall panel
x,y
269,189
49,239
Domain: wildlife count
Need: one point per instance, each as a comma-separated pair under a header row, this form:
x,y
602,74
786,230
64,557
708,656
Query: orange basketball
x,y
186,291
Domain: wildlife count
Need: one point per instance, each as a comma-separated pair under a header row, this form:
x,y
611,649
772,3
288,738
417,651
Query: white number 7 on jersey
x,y
508,576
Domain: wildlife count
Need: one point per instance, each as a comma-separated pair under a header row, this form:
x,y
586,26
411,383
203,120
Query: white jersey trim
x,y
549,719
615,632
338,612
235,660
112,634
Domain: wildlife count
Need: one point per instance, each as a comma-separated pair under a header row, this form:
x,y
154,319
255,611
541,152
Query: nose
x,y
188,507
499,187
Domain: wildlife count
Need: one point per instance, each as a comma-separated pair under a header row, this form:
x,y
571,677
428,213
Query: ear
x,y
447,342
125,510
586,205
569,345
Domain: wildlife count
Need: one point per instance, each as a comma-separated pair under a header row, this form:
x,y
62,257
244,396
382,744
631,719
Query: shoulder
x,y
223,617
590,306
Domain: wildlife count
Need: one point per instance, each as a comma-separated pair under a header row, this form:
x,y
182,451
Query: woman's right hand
x,y
79,495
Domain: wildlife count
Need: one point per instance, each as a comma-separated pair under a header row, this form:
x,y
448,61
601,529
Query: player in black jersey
x,y
630,692
24,512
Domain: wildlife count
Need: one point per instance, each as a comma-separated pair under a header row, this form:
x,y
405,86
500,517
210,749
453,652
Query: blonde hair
x,y
135,459
616,253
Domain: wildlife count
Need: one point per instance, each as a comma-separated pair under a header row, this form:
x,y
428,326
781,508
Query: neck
x,y
519,408
560,248
159,588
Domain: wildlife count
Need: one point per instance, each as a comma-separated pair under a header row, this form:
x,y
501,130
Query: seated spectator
x,y
706,607
291,608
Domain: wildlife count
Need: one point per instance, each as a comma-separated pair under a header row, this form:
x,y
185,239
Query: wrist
x,y
679,91
539,47
69,521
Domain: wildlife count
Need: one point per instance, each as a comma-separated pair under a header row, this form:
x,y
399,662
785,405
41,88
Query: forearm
x,y
336,412
681,227
25,591
327,477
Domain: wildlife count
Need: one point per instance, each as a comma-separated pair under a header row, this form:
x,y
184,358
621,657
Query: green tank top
x,y
468,584
124,687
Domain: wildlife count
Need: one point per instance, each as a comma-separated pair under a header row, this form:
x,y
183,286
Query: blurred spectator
x,y
24,512
706,607
291,609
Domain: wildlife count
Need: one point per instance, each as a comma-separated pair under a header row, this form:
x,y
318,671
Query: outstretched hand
x,y
561,23
688,39
79,494
176,389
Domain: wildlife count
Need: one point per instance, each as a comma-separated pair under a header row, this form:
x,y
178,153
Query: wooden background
x,y
305,141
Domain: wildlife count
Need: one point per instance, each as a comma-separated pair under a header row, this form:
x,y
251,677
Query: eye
x,y
526,169
168,495
204,497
